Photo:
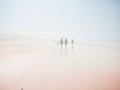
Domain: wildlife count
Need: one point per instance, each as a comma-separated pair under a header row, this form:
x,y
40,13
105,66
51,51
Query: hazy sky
x,y
81,19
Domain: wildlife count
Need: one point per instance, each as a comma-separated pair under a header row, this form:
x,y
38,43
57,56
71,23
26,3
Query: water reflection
x,y
72,48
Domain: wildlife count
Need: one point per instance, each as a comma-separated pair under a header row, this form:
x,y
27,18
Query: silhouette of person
x,y
66,41
61,42
21,88
72,41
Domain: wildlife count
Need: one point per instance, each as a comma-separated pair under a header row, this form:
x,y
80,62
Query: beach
x,y
52,67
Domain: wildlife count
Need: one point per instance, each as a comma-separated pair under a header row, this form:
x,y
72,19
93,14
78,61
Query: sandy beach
x,y
59,44
51,67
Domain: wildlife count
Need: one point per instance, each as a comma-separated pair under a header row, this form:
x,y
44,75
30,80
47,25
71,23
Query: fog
x,y
59,45
80,19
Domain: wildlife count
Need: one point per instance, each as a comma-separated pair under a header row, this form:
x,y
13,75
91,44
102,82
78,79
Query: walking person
x,y
66,42
61,43
72,42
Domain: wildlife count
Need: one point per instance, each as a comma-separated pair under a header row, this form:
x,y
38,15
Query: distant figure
x,y
61,42
66,41
21,88
72,41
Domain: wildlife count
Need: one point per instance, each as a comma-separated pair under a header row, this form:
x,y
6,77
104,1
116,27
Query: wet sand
x,y
51,67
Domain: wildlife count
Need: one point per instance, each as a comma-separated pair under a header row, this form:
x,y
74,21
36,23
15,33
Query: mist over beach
x,y
59,45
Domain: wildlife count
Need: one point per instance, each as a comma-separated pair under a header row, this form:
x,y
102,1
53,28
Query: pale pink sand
x,y
34,67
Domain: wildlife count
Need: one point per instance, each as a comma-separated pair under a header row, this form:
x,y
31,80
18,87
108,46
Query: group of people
x,y
65,41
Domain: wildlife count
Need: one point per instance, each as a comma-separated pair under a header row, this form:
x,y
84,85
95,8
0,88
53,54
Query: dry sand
x,y
50,67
